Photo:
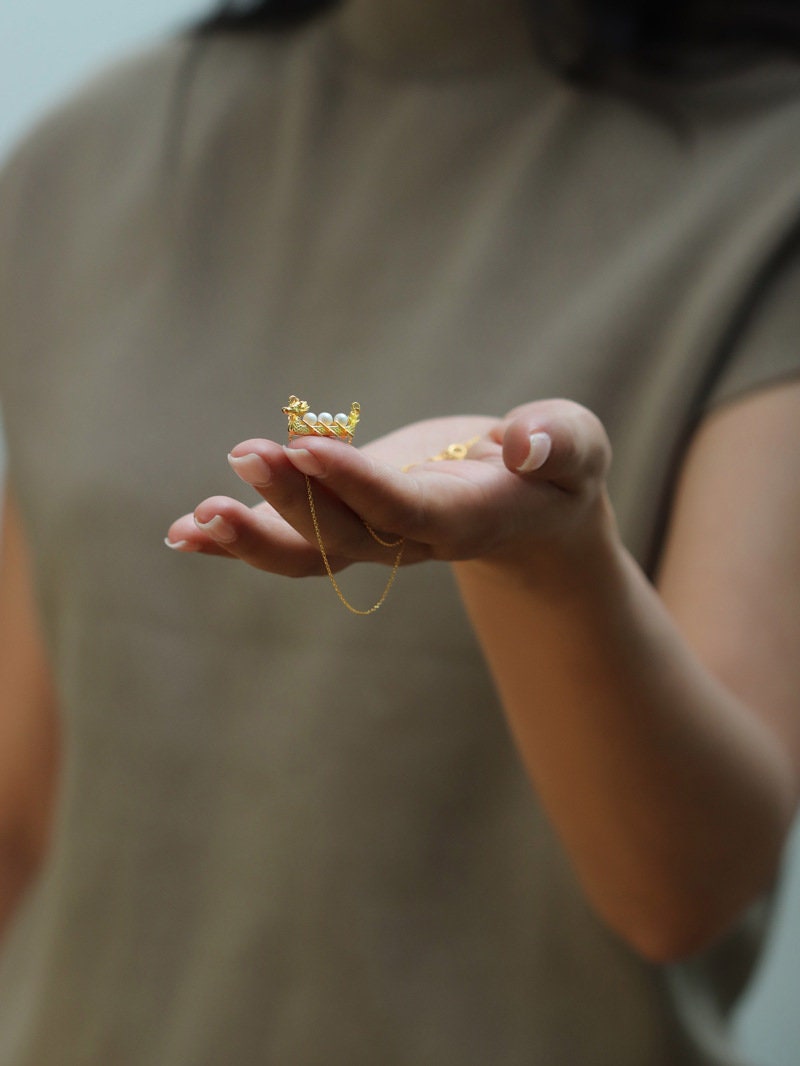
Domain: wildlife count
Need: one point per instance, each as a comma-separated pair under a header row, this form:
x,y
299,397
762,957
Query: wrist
x,y
583,554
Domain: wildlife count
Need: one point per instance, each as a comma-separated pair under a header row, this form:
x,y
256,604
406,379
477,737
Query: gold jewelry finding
x,y
459,450
303,423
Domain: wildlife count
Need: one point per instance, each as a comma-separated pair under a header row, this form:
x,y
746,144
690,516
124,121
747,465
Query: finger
x,y
184,536
557,441
271,471
263,464
384,496
257,536
252,461
438,507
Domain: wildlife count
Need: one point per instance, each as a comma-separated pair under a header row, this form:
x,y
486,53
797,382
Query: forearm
x,y
672,793
672,799
29,733
17,872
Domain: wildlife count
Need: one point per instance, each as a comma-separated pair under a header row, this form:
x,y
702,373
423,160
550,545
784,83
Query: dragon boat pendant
x,y
304,423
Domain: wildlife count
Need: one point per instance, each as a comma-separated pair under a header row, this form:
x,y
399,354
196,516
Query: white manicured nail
x,y
217,528
251,468
304,461
541,443
178,545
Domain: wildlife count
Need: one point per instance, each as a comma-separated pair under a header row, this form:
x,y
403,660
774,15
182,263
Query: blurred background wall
x,y
46,46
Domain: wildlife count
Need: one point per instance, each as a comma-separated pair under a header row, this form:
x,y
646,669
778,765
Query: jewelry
x,y
304,423
452,451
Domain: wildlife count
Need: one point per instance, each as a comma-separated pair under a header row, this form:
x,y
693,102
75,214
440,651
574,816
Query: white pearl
x,y
341,419
326,418
310,418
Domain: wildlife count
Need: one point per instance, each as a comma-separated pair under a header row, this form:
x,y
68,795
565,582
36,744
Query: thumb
x,y
557,441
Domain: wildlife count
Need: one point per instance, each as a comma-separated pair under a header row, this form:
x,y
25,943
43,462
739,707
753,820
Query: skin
x,y
669,761
667,749
441,34
28,722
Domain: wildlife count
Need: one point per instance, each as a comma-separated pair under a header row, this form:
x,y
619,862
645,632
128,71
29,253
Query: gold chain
x,y
380,540
452,451
304,423
400,544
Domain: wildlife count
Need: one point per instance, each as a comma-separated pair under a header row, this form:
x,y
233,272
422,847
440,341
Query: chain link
x,y
401,543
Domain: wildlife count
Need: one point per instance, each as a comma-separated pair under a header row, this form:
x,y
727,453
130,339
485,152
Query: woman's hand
x,y
663,743
533,478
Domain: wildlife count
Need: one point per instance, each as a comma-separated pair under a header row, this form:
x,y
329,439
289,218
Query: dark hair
x,y
264,14
588,38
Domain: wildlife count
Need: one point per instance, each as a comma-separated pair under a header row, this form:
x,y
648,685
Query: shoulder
x,y
115,145
753,112
110,107
127,112
82,147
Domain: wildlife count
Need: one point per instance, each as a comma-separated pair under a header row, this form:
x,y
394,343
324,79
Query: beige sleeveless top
x,y
286,835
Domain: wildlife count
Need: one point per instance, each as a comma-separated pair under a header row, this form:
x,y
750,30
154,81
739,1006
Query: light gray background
x,y
46,46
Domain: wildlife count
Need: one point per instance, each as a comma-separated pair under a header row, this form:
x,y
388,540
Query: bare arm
x,y
664,734
28,734
661,731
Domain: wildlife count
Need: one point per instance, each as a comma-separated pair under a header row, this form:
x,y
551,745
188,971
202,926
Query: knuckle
x,y
398,515
413,516
305,567
591,448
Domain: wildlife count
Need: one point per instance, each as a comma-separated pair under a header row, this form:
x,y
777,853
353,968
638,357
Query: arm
x,y
667,749
661,732
28,744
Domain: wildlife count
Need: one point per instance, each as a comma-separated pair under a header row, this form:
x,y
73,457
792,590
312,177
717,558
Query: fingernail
x,y
251,468
305,462
541,443
180,545
217,528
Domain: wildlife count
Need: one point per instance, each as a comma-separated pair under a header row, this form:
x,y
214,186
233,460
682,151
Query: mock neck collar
x,y
437,37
